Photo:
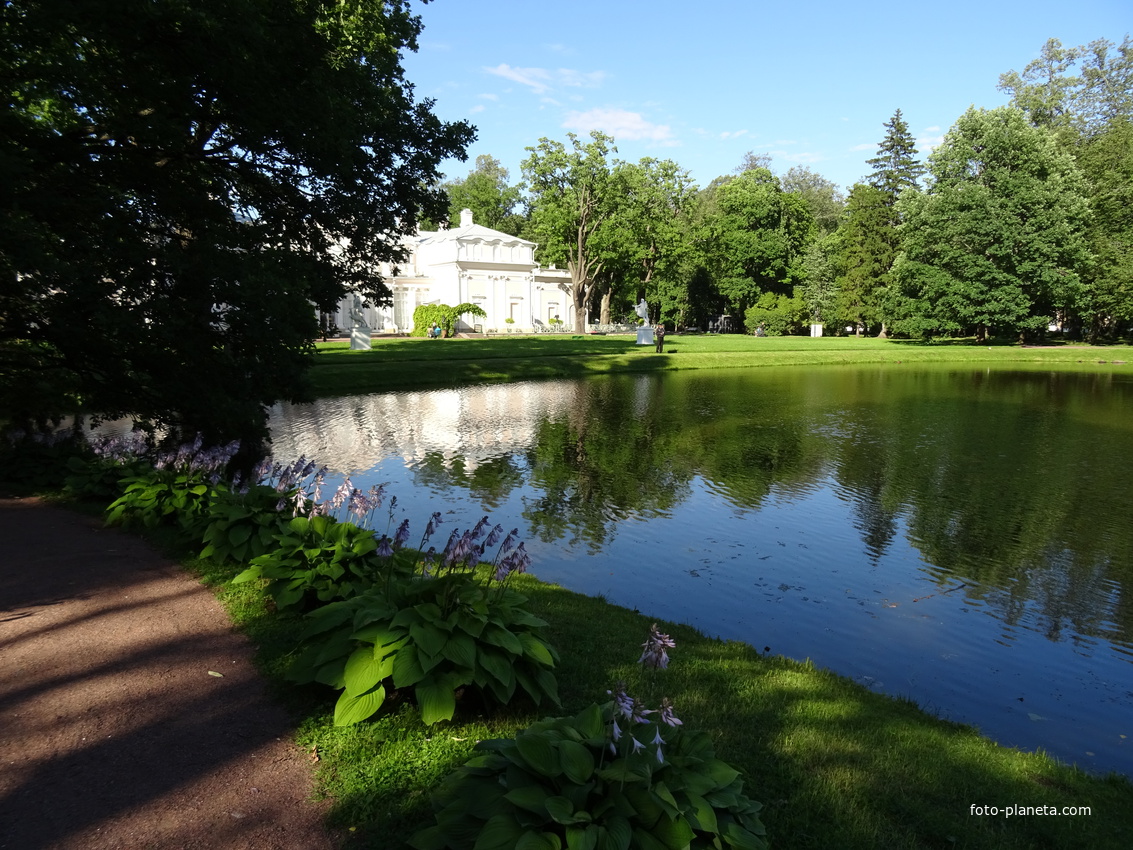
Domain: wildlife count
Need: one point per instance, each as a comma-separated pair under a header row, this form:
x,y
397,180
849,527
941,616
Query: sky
x,y
702,83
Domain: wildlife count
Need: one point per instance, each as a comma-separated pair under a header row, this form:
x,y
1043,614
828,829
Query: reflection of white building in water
x,y
353,433
470,264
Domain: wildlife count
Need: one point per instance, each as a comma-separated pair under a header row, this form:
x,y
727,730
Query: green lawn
x,y
408,363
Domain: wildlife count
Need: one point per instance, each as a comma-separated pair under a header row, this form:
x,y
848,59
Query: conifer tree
x,y
896,167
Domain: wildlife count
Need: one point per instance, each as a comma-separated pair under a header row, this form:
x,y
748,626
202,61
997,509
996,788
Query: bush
x,y
426,314
780,315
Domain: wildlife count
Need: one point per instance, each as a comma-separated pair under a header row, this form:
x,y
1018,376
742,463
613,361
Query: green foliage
x,y
100,478
177,497
35,462
572,199
434,635
998,241
164,232
485,191
426,314
316,559
868,243
896,167
780,315
244,526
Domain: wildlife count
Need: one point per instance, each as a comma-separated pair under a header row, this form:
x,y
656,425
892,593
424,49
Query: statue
x,y
645,332
359,329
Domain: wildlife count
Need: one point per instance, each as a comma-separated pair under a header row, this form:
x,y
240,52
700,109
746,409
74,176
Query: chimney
x,y
466,217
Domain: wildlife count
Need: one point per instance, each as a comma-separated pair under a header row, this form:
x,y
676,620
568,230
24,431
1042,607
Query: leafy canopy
x,y
183,181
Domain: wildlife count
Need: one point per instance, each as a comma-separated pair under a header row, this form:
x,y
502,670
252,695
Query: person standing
x,y
659,337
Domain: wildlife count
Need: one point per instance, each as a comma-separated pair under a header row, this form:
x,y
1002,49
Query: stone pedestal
x,y
360,338
645,336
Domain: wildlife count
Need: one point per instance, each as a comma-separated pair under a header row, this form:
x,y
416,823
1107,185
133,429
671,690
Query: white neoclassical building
x,y
470,264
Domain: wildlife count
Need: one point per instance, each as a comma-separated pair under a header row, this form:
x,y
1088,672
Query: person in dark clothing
x,y
659,337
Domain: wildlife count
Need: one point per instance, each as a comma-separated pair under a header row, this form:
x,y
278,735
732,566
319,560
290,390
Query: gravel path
x,y
115,731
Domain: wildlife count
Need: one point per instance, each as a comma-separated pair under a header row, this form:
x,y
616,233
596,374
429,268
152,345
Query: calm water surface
x,y
958,537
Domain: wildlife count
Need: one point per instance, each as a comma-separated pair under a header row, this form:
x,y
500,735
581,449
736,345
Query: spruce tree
x,y
896,167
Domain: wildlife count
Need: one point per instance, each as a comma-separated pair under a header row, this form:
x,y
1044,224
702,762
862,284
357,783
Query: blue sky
x,y
811,83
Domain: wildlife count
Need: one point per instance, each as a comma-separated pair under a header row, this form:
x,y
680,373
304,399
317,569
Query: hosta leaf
x,y
619,834
723,773
536,649
538,841
703,816
674,833
436,700
577,762
582,838
537,751
562,811
499,636
406,667
350,710
533,798
460,649
363,671
501,832
239,534
497,666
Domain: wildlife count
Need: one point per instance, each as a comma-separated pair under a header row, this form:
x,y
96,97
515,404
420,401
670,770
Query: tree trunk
x,y
604,316
883,334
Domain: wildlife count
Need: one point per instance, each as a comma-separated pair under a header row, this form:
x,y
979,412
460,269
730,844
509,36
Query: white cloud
x,y
477,108
733,134
926,144
488,96
536,78
580,79
867,146
541,80
622,125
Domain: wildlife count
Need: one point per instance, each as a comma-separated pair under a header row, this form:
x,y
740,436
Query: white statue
x,y
645,332
359,329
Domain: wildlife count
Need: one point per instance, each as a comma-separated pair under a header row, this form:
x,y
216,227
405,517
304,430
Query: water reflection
x,y
959,537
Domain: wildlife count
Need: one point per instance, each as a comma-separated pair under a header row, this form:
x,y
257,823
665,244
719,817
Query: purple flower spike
x,y
480,526
667,716
494,536
434,521
402,534
384,547
653,654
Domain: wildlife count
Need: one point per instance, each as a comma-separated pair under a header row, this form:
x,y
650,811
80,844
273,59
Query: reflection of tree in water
x,y
490,481
603,462
995,495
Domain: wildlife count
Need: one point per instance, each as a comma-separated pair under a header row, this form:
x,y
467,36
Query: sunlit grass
x,y
835,764
406,363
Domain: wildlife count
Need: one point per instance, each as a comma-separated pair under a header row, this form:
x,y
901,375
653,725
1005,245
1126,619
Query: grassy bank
x,y
396,364
835,765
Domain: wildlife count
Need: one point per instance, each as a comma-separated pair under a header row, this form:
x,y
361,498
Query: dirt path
x,y
113,731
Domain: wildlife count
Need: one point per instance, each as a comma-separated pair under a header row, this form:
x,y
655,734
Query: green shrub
x,y
434,635
316,559
244,526
443,315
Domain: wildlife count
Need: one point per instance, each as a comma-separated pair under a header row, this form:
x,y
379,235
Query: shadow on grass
x,y
834,764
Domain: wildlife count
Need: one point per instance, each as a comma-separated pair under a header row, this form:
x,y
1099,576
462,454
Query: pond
x,y
960,537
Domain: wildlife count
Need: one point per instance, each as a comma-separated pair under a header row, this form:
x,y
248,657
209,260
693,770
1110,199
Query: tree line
x,y
1019,222
181,183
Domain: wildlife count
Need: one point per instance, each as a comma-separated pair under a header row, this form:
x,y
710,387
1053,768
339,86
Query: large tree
x,y
826,201
571,199
759,238
486,192
183,182
997,242
646,239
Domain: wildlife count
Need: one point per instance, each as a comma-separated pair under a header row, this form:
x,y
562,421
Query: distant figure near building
x,y
359,329
659,335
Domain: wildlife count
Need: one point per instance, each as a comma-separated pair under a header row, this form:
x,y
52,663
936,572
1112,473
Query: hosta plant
x,y
437,626
612,777
243,526
177,490
316,559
